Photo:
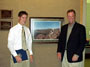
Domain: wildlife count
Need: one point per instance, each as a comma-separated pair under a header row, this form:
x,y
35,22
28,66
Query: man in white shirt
x,y
15,41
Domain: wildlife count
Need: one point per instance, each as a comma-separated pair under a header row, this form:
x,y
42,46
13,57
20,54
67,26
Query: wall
x,y
88,20
44,54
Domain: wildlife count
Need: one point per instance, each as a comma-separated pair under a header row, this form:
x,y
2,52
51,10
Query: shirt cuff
x,y
76,55
31,53
14,54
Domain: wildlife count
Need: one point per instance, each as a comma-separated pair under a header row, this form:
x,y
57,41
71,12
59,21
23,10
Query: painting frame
x,y
42,33
6,14
5,25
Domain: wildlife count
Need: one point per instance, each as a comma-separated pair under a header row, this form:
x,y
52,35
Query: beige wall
x,y
44,54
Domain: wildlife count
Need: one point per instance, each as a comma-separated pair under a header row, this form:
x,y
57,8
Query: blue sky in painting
x,y
47,24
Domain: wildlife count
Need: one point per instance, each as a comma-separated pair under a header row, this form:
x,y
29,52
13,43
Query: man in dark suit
x,y
72,41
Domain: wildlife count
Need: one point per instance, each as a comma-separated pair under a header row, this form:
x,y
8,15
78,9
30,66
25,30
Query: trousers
x,y
65,62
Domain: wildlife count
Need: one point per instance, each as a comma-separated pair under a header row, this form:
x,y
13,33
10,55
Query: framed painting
x,y
45,29
5,25
5,14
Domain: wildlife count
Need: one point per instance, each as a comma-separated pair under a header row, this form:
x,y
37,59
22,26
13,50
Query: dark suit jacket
x,y
75,44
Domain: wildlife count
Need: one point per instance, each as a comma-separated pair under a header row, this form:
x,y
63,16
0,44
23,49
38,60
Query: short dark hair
x,y
22,13
71,10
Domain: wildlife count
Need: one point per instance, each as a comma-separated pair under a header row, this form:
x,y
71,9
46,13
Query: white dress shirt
x,y
15,39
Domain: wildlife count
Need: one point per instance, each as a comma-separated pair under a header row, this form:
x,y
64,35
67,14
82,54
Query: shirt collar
x,y
20,26
71,25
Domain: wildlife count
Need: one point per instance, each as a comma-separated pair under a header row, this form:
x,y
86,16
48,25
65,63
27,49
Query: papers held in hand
x,y
22,53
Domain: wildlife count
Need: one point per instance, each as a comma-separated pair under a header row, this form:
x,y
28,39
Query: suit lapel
x,y
66,28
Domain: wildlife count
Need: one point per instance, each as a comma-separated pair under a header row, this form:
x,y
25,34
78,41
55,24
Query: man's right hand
x,y
59,56
18,59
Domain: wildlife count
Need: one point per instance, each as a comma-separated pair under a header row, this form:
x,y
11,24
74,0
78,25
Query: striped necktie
x,y
23,39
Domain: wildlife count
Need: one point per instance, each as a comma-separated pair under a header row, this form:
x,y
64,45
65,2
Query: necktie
x,y
23,39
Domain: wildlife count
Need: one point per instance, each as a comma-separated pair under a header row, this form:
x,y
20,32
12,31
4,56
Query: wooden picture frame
x,y
45,29
5,14
5,25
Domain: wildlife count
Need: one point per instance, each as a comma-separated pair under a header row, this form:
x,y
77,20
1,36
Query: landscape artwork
x,y
46,29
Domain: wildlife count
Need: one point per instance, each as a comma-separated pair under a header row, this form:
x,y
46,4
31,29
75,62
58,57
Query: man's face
x,y
71,17
22,19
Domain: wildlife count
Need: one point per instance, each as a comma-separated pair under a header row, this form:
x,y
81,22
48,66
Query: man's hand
x,y
18,59
75,57
31,58
59,55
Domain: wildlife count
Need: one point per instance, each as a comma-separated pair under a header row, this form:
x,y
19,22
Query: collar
x,y
71,25
20,26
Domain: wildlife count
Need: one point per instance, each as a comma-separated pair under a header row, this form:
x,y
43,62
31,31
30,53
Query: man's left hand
x,y
75,57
